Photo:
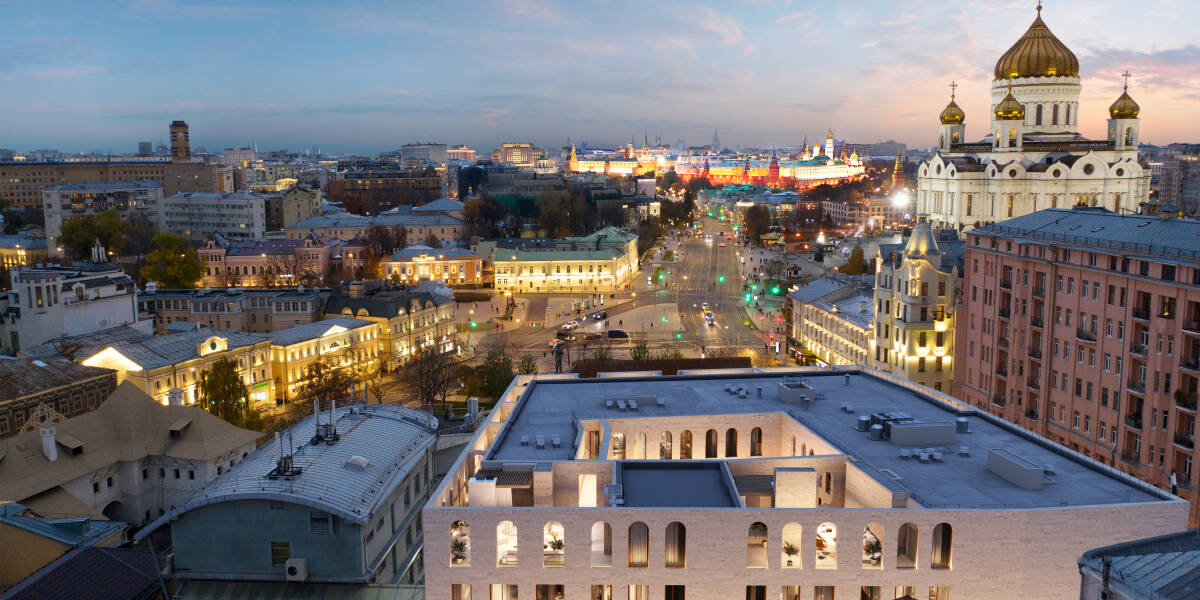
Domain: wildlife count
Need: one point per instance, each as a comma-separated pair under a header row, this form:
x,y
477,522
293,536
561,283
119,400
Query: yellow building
x,y
171,365
604,261
21,251
419,263
345,340
408,321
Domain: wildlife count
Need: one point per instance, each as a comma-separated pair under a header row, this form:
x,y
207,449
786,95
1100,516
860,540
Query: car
x,y
618,333
705,307
710,318
572,324
722,244
590,335
564,335
599,315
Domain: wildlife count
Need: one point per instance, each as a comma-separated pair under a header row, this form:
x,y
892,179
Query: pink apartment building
x,y
1083,325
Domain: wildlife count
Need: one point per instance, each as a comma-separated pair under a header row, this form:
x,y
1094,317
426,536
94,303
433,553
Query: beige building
x,y
290,206
21,251
257,310
419,262
267,263
916,290
520,154
168,368
37,390
785,484
29,541
831,320
408,321
604,261
344,340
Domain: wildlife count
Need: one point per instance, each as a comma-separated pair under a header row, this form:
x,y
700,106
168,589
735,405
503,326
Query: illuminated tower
x,y
716,146
773,170
181,145
1123,121
898,180
829,144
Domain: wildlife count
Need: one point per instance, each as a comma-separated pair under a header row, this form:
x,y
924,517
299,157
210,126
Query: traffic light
x,y
747,297
754,286
775,290
474,324
678,335
720,279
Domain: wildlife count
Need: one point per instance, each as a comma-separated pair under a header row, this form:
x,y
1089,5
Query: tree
x,y
367,370
380,239
174,265
139,235
551,212
527,364
758,222
497,371
432,241
324,380
80,234
695,186
400,236
428,376
855,265
668,179
224,394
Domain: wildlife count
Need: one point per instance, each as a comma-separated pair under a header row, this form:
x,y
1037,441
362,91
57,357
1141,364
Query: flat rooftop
x,y
552,407
691,484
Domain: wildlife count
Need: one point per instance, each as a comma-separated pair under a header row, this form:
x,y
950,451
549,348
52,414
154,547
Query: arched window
x,y
1054,115
601,544
756,545
1038,119
828,482
685,444
906,547
793,540
639,544
664,445
506,544
1067,119
460,544
872,546
618,446
676,545
756,441
826,546
553,545
954,137
731,442
639,446
803,448
1128,136
710,443
943,545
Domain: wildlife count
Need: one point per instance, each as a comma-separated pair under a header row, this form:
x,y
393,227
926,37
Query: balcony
x,y
1002,371
1190,364
1004,312
1002,342
1131,458
999,400
1185,441
1191,327
1039,292
1035,352
1137,386
1134,420
1084,335
1033,383
1037,322
1141,314
1006,284
1138,349
1031,414
1185,400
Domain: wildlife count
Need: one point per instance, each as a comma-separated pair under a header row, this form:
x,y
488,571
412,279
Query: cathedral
x,y
1033,156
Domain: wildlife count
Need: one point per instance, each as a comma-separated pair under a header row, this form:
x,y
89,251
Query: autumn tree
x,y
527,364
758,222
428,376
325,380
139,235
855,265
432,241
367,370
223,393
497,371
380,239
81,233
174,264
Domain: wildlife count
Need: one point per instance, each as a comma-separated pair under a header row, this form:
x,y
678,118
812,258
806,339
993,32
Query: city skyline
x,y
368,78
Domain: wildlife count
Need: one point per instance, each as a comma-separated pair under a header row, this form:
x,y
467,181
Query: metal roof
x,y
314,330
179,347
20,377
1165,567
1087,227
816,289
443,204
72,531
392,439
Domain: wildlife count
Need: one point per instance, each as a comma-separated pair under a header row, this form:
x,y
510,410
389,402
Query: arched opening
x,y
826,546
506,544
803,448
1054,115
676,555
460,544
954,137
872,546
906,547
793,540
617,448
553,545
756,441
1128,136
639,544
685,444
710,443
943,545
639,446
664,445
1067,119
113,511
730,443
756,545
601,544
828,482
1038,118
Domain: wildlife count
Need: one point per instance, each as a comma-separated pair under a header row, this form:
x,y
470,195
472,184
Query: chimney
x,y
49,447
175,396
317,416
356,289
333,416
862,306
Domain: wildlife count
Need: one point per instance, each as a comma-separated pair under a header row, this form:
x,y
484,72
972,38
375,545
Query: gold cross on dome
x,y
953,87
1126,75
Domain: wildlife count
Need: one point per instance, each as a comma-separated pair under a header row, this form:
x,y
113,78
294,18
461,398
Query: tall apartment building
x,y
235,216
916,291
520,154
62,203
798,483
1084,326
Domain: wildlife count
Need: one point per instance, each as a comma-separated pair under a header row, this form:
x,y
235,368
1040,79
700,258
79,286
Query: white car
x,y
570,325
705,307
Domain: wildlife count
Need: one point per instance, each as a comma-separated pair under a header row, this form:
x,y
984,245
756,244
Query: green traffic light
x,y
474,324
678,336
747,297
754,286
775,290
720,279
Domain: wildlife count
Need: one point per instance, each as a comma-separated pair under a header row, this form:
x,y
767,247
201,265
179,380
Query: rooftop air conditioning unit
x,y
296,569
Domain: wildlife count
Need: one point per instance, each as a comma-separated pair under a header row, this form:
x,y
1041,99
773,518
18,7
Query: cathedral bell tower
x,y
1123,120
952,130
1010,123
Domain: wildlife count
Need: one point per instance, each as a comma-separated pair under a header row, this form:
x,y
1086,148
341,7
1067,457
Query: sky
x,y
369,76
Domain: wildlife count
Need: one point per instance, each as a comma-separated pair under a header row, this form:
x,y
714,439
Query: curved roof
x,y
1124,107
1038,53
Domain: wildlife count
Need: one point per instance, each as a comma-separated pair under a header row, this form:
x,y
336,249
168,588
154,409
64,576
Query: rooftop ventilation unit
x,y
283,464
358,463
1017,470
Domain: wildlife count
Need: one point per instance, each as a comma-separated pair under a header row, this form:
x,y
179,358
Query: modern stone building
x,y
782,483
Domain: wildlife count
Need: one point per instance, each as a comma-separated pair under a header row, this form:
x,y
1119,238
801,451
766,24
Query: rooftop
x,y
21,377
443,204
106,574
72,531
553,407
1086,227
384,442
416,250
314,330
156,352
383,305
144,184
1166,567
848,310
656,484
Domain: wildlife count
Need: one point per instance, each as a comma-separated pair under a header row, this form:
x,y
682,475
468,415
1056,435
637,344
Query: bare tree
x,y
367,370
428,376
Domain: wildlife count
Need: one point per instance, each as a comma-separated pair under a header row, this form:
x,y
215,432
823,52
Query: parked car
x,y
564,335
705,307
572,324
599,315
618,333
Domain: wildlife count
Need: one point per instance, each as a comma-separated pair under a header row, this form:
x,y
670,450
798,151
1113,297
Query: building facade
x,y
1033,156
267,263
418,226
1084,326
831,320
375,190
288,207
916,294
408,321
740,483
604,261
419,262
261,311
195,216
519,154
44,390
22,250
62,203
345,342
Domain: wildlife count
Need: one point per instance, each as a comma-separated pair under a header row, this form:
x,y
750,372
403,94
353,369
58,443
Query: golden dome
x,y
1124,107
1037,54
953,114
1009,109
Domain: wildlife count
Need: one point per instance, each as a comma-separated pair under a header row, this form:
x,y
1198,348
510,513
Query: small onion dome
x,y
1009,109
953,114
1124,107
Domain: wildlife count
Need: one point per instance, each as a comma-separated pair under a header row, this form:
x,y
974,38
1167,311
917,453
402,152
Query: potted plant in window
x,y
791,550
556,544
458,550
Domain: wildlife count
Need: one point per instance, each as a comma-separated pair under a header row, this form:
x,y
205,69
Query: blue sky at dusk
x,y
355,76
